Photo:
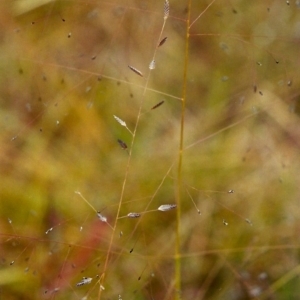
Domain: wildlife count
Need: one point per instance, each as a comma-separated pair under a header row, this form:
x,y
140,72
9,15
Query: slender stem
x,y
180,157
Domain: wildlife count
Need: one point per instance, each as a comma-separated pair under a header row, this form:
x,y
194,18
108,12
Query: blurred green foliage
x,y
64,75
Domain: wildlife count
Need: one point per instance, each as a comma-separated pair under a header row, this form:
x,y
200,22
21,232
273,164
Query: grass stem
x,y
180,157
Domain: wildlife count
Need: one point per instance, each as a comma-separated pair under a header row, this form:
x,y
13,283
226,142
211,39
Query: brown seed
x,y
122,144
162,41
158,104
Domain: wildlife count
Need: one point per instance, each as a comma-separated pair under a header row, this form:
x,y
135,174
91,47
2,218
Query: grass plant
x,y
149,149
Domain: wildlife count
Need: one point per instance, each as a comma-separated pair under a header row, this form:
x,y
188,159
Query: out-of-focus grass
x,y
64,75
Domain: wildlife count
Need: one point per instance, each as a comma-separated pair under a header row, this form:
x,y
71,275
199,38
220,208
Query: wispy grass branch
x,y
145,88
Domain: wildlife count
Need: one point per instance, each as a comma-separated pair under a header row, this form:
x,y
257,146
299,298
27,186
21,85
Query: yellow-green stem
x,y
179,174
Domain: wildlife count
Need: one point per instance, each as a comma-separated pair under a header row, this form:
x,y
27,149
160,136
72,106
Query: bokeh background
x,y
64,75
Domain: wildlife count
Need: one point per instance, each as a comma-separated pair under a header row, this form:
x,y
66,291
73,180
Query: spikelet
x,y
84,281
50,229
249,222
166,207
122,144
152,65
101,217
133,215
120,121
136,71
162,41
158,105
166,9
